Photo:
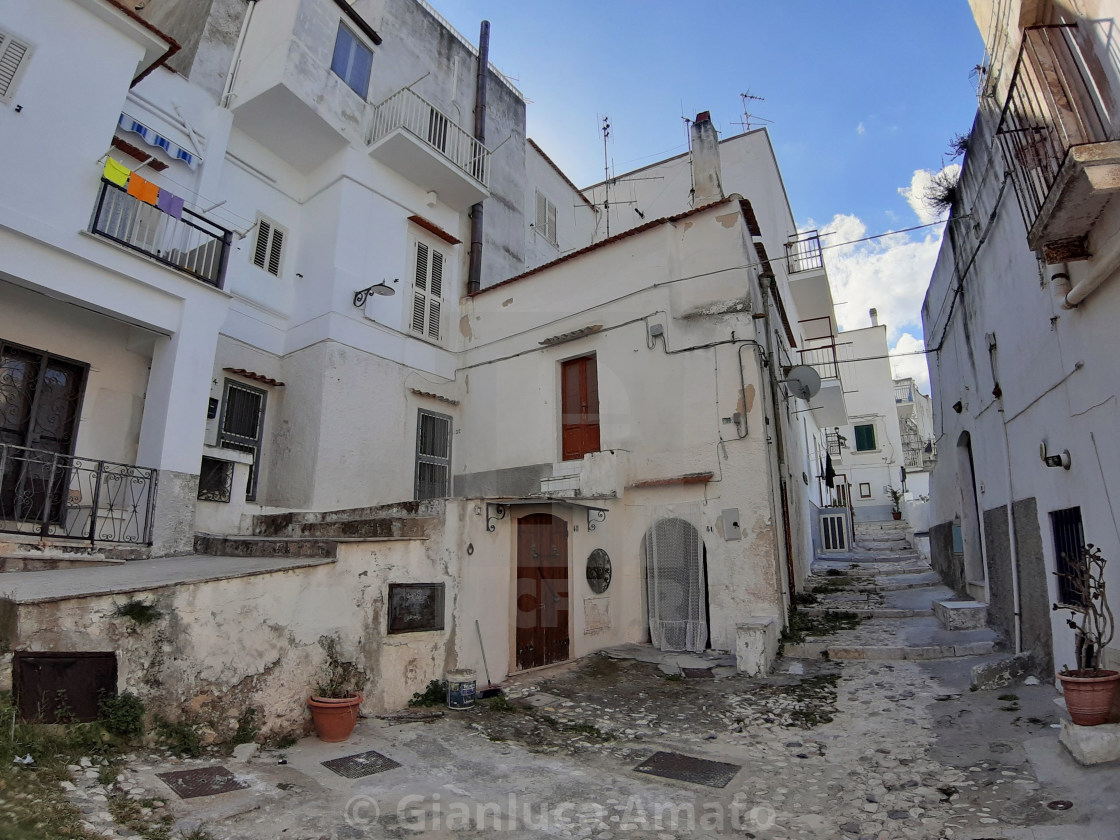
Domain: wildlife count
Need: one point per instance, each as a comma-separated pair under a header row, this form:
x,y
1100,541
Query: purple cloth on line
x,y
170,204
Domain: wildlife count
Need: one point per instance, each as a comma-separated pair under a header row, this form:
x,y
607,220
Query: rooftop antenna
x,y
745,99
606,129
691,173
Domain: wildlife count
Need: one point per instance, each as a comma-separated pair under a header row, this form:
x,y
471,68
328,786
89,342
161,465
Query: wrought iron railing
x,y
49,494
411,112
191,244
833,441
1052,105
803,252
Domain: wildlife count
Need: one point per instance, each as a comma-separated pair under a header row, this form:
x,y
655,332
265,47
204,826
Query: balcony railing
x,y
49,494
411,112
803,252
835,441
191,244
904,393
1053,104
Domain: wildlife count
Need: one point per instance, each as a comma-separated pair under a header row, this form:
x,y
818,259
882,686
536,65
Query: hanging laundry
x,y
829,472
116,173
143,189
170,204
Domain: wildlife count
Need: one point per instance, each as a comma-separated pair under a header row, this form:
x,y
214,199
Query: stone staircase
x,y
906,611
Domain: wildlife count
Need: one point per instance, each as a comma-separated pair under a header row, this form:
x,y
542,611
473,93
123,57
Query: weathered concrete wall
x,y
997,547
173,517
947,564
1034,585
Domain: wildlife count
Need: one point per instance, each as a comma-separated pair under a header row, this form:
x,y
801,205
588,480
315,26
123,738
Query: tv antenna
x,y
745,99
606,129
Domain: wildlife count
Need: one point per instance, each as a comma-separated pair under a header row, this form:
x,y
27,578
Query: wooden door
x,y
579,397
542,590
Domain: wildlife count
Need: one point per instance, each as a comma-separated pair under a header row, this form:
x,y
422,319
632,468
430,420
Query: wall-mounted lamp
x,y
382,288
1063,460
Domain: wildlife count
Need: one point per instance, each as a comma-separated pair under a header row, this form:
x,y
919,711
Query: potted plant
x,y
1088,689
896,501
334,705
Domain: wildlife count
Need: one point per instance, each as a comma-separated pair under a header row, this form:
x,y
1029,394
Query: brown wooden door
x,y
542,590
579,396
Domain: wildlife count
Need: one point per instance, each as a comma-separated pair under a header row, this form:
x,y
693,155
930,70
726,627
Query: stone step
x,y
961,615
875,543
866,613
882,525
49,561
234,546
295,523
819,570
816,649
356,528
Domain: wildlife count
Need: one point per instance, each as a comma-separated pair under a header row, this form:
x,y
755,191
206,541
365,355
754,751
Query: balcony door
x,y
242,427
40,403
579,398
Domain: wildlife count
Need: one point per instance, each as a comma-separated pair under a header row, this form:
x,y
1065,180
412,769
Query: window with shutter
x,y
545,223
427,291
865,438
14,55
269,246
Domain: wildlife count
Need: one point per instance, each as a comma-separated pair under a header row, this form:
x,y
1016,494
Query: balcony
x,y
413,137
190,244
51,494
1055,139
820,351
808,283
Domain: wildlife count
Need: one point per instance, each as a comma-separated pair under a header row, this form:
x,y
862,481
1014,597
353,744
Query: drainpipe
x,y
227,92
1012,543
474,273
1106,264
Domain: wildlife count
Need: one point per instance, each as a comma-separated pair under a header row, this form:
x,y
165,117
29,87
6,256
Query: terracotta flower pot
x,y
334,718
896,514
1089,694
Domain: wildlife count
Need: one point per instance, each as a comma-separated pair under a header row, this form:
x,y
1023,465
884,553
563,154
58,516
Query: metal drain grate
x,y
698,673
362,764
204,781
685,768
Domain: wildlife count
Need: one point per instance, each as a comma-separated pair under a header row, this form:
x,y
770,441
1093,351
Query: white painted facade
x,y
694,318
1021,313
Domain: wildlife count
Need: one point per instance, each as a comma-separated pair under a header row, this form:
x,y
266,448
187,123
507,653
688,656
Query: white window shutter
x,y
14,55
427,291
260,251
551,227
269,247
542,213
274,251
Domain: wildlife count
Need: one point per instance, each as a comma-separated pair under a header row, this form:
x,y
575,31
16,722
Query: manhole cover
x,y
541,700
1059,805
698,673
685,768
362,764
204,781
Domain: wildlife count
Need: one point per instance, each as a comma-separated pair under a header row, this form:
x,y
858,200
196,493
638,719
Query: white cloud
x,y
915,366
860,129
915,194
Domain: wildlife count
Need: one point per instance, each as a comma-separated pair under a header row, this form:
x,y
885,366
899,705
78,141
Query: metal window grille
x,y
433,455
215,480
1069,540
834,532
242,427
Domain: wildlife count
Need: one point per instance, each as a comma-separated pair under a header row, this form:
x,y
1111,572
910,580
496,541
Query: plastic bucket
x,y
460,689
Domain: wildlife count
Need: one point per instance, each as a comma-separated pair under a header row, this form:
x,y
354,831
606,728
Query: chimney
x,y
707,182
874,313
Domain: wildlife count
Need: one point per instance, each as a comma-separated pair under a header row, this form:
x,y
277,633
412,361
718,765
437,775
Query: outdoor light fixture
x,y
1063,460
381,288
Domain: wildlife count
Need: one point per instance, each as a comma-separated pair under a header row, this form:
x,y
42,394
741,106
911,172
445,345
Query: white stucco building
x,y
298,259
1020,318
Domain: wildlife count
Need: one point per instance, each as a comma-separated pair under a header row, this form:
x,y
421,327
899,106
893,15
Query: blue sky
x,y
861,94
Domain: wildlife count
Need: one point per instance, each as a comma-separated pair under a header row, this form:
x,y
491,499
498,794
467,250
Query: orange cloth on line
x,y
116,173
143,189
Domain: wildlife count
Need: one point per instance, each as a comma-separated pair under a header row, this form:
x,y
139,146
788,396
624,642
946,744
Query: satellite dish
x,y
803,382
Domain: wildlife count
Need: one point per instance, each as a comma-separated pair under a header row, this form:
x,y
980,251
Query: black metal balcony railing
x,y
48,494
803,252
1052,105
833,440
191,244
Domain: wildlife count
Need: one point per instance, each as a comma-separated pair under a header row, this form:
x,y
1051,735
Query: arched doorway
x,y
971,545
542,590
676,586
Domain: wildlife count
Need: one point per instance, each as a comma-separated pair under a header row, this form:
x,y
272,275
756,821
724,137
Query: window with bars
x,y
1069,540
269,247
14,55
433,455
242,426
865,438
545,223
427,291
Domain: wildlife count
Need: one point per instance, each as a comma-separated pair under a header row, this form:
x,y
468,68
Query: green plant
x,y
247,728
122,715
1084,577
434,695
896,497
180,737
142,612
958,146
943,190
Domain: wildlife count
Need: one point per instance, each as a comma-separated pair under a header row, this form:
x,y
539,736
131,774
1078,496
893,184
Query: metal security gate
x,y
834,531
242,427
676,588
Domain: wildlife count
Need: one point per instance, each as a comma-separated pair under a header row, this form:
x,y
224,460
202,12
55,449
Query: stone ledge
x,y
961,615
756,645
1091,744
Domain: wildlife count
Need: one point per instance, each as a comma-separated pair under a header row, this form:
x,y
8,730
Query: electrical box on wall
x,y
731,529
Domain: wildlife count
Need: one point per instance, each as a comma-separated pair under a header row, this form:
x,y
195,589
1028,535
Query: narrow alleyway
x,y
880,739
